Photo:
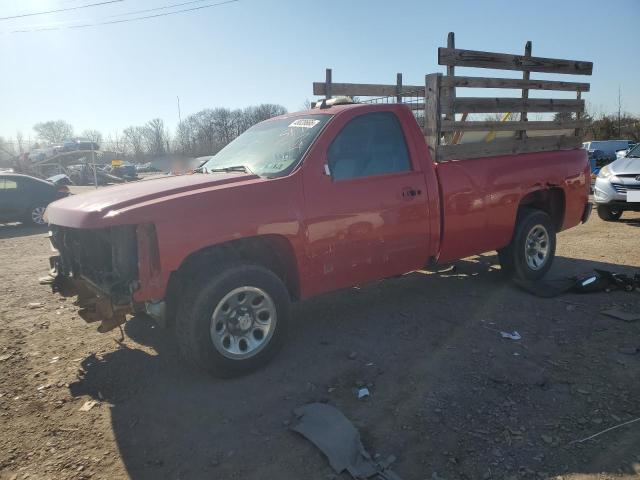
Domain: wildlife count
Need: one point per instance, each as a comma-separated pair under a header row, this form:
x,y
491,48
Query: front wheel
x,y
609,214
36,215
531,252
233,321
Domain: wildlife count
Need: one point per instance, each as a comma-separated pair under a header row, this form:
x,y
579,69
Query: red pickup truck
x,y
299,205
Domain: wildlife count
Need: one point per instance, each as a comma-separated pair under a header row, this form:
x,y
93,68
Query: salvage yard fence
x,y
436,103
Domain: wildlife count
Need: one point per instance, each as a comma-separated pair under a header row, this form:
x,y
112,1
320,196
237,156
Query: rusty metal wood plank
x,y
507,147
503,61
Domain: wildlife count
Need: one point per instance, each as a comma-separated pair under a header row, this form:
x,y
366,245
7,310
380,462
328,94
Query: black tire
x,y
609,214
513,258
204,294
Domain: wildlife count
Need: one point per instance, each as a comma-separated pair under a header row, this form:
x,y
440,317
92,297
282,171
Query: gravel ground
x,y
449,397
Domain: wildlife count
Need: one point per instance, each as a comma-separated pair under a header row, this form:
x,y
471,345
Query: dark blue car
x,y
24,198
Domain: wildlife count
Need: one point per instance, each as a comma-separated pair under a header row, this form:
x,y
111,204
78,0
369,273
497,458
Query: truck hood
x,y
136,202
626,166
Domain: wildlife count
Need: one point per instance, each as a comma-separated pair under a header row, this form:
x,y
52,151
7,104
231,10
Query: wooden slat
x,y
503,61
513,83
481,126
367,89
328,84
507,147
497,105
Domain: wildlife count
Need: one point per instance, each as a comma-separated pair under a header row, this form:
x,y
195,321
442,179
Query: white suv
x,y
617,187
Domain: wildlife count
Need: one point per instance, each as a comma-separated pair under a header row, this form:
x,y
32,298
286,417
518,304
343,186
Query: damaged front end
x,y
100,266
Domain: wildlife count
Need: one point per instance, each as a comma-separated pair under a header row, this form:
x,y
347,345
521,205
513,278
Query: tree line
x,y
207,131
202,133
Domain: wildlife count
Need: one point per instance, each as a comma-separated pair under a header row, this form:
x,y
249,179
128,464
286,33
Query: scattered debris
x,y
6,356
620,314
601,280
34,305
547,439
363,392
329,430
513,336
606,430
88,405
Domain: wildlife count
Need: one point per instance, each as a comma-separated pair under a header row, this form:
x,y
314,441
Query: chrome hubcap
x,y
243,322
536,247
37,215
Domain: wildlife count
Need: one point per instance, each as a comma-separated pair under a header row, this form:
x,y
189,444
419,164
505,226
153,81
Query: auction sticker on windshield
x,y
304,123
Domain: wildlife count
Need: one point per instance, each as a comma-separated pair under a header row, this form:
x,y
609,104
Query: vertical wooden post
x,y
522,134
578,132
327,84
432,113
451,91
398,88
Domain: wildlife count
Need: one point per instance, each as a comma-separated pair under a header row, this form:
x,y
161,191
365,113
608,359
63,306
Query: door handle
x,y
409,193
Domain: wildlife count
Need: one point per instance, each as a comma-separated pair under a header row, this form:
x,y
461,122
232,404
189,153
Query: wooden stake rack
x,y
436,103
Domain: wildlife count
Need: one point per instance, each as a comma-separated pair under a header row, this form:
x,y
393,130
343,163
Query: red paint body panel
x,y
481,196
342,233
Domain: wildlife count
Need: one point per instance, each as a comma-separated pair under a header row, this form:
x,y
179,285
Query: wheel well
x,y
550,200
273,252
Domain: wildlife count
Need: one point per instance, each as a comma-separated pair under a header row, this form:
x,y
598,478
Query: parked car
x,y
623,153
296,206
146,168
60,180
608,147
24,198
74,144
617,187
126,171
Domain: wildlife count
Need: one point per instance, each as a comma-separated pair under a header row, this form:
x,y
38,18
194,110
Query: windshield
x,y
270,149
634,152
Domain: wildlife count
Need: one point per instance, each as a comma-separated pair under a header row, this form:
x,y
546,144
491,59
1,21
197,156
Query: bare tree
x,y
53,131
20,141
117,143
134,139
155,137
207,131
93,135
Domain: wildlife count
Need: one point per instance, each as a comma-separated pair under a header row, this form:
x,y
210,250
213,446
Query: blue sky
x,y
253,51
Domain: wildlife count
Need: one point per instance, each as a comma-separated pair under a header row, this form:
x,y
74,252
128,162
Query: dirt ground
x,y
449,397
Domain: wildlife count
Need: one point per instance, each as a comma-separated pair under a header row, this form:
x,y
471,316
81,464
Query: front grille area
x,y
106,257
621,188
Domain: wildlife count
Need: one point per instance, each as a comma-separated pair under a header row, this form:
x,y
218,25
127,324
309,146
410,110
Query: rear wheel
x,y
531,252
233,321
609,214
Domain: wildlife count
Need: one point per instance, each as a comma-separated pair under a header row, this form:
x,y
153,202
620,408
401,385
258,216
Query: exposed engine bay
x,y
100,266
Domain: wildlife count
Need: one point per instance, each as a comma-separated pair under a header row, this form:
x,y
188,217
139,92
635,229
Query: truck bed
x,y
479,198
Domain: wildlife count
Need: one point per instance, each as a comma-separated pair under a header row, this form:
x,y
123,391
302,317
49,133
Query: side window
x,y
7,184
371,144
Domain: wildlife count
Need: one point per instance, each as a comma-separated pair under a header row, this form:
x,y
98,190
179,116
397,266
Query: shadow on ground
x,y
14,230
448,394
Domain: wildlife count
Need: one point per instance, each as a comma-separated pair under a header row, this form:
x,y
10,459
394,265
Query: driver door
x,y
365,204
